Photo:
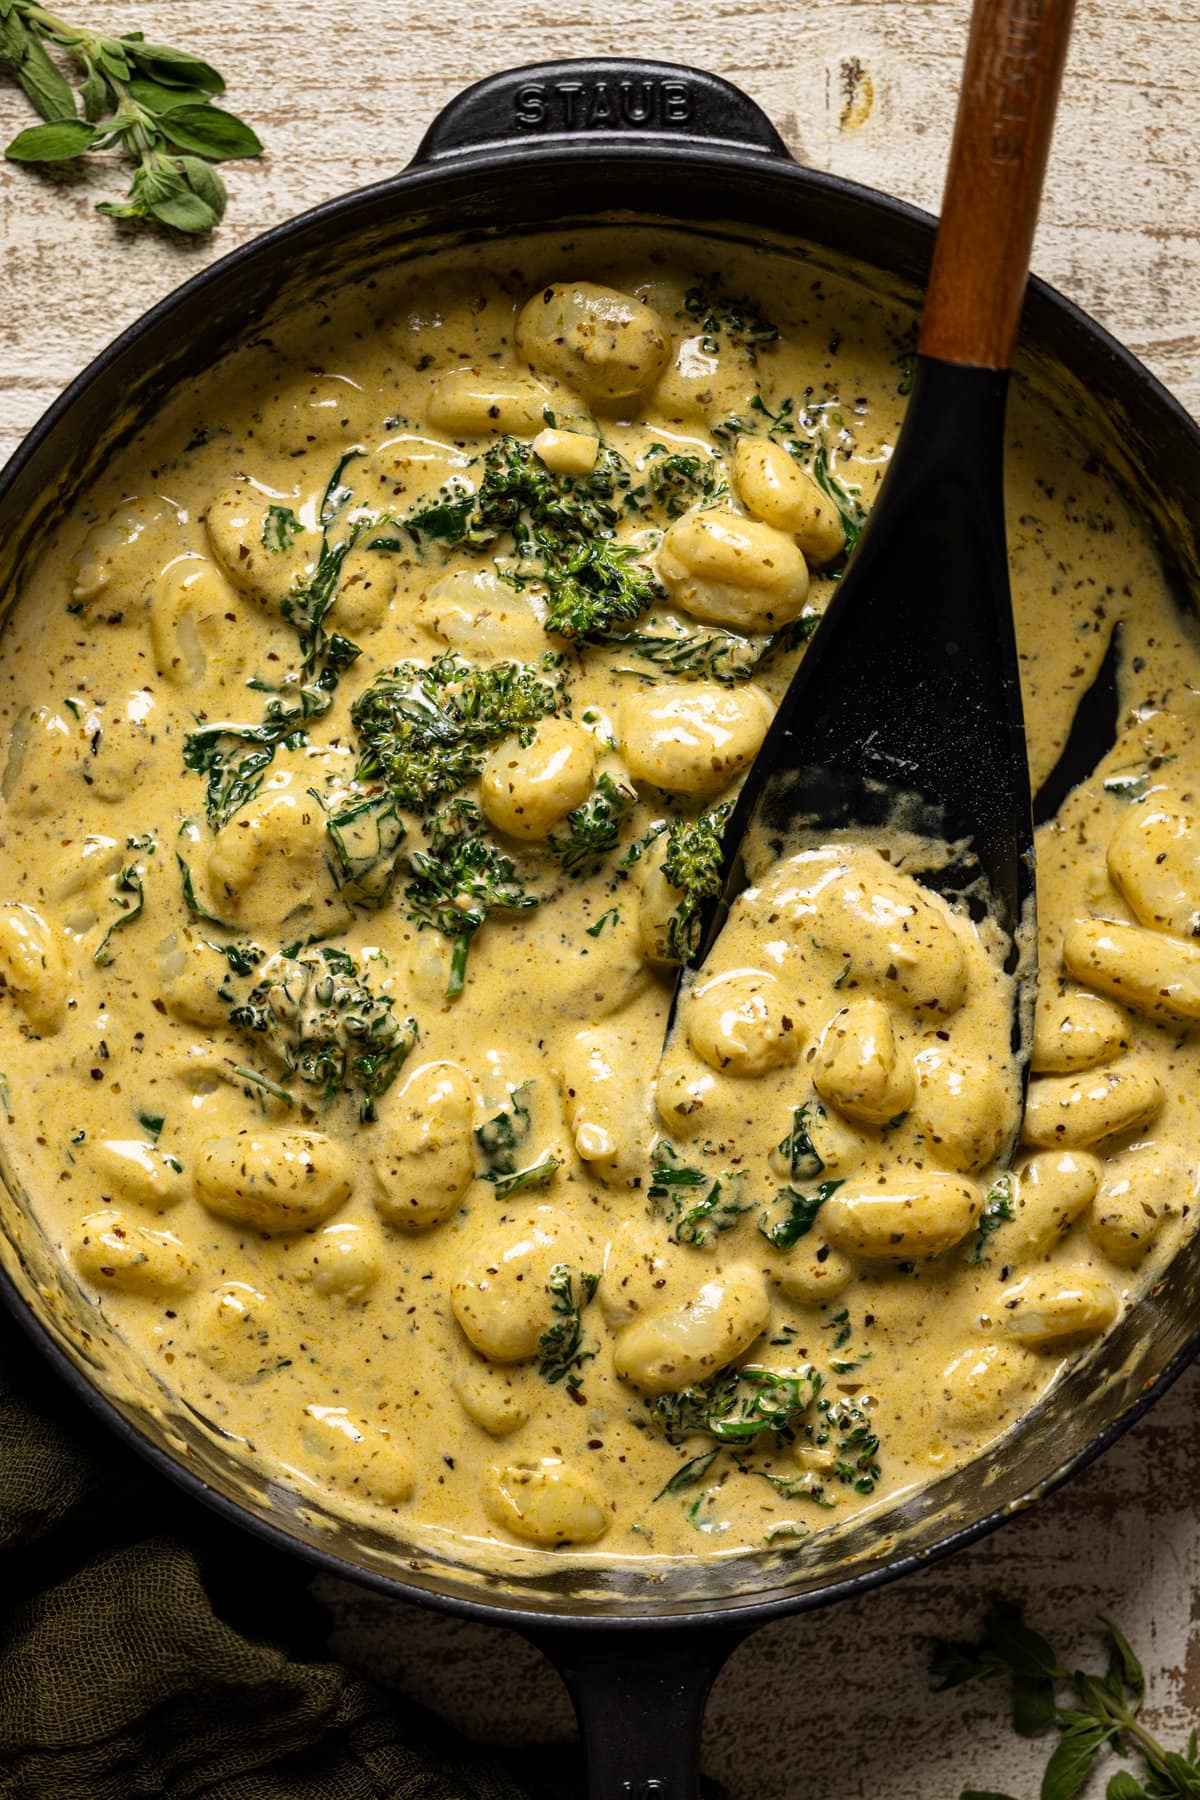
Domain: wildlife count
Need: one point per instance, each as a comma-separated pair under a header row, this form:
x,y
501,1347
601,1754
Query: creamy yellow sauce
x,y
409,1201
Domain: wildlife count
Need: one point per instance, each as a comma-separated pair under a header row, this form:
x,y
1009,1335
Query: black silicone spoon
x,y
906,708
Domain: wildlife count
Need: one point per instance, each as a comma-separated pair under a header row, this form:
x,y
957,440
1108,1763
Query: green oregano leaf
x,y
60,142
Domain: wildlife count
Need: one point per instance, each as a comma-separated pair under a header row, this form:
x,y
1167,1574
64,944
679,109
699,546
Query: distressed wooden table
x,y
836,1704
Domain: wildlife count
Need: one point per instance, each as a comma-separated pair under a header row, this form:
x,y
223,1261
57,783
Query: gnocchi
x,y
775,489
470,403
528,789
739,1022
690,1343
1149,972
1043,1311
859,1068
729,570
606,345
273,1180
546,1502
427,1161
1074,1030
33,968
1074,1111
1144,1188
902,1219
693,738
1154,860
110,1252
501,1297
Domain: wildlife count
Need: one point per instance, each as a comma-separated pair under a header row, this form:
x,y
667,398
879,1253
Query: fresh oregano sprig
x,y
1091,1712
150,103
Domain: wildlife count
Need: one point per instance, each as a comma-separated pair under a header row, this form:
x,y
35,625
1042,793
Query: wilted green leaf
x,y
93,93
184,212
1123,1663
44,84
157,98
1123,1786
208,131
162,63
1073,1757
205,183
1032,1703
1024,1649
121,209
59,142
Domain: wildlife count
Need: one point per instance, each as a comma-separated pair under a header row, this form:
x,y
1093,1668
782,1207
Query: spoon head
x,y
903,721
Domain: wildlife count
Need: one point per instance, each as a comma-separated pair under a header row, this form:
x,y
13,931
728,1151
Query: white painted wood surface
x,y
835,1706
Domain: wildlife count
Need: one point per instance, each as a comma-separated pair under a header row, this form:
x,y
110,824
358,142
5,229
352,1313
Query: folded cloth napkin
x,y
149,1648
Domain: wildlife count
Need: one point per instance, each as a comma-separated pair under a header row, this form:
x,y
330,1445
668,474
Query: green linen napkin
x,y
148,1648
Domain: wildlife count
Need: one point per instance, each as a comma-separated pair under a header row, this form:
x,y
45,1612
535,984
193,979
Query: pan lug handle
x,y
599,100
640,1699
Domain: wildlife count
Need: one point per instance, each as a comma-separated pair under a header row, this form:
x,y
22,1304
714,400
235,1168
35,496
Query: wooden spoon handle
x,y
1006,109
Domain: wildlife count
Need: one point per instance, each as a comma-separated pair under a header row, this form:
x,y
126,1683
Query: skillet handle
x,y
598,99
640,1700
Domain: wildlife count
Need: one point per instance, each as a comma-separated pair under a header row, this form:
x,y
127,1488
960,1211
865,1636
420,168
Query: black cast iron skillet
x,y
563,144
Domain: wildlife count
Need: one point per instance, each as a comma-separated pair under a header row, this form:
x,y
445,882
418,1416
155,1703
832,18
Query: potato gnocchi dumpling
x,y
690,1343
362,1458
260,560
109,565
426,1159
921,1216
502,1296
740,1023
526,789
729,570
546,1502
131,1169
1154,859
1077,1110
234,1329
1074,1029
345,1262
1149,972
493,1398
775,489
373,725
471,403
858,1066
1141,1191
112,1251
33,968
270,862
191,606
605,345
1045,1310
1052,1191
273,1180
693,738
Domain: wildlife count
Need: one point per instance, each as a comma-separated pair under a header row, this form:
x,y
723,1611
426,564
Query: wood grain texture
x,y
1011,78
835,1705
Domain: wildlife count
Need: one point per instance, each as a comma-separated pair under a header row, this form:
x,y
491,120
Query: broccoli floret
x,y
517,493
426,731
594,827
460,879
317,1017
562,528
595,587
693,863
